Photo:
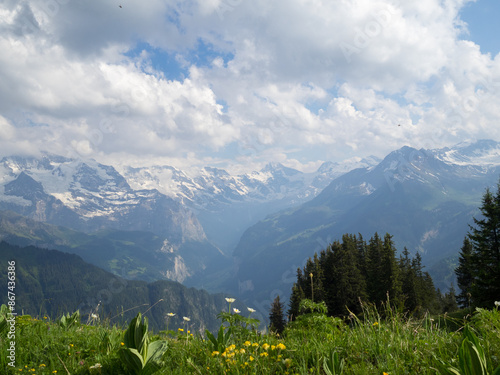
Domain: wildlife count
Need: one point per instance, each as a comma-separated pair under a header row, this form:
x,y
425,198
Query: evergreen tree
x,y
465,274
449,303
374,271
297,296
276,317
485,258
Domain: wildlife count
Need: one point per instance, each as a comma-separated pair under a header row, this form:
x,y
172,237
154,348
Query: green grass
x,y
376,342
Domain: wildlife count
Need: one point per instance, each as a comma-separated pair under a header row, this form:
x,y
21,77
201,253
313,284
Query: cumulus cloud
x,y
261,81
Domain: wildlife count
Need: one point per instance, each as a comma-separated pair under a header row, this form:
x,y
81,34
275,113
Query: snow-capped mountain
x,y
181,208
424,198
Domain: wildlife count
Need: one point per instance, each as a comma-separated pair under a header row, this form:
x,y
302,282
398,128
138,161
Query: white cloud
x,y
337,76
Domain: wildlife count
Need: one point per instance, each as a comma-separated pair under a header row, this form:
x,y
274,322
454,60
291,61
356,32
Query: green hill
x,y
50,283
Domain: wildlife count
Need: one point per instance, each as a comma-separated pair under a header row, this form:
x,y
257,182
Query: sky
x,y
237,84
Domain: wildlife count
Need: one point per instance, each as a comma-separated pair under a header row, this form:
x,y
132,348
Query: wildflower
x,y
71,345
97,365
45,317
265,346
186,318
264,354
42,365
281,346
122,343
375,324
180,329
251,358
230,300
256,344
170,314
242,351
247,343
250,309
385,373
214,353
94,316
236,311
497,304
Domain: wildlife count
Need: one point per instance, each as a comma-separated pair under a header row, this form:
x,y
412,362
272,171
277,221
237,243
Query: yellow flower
x,y
247,343
255,344
242,351
181,330
42,365
45,317
281,346
385,373
265,346
264,354
251,358
375,324
122,343
273,347
71,345
214,353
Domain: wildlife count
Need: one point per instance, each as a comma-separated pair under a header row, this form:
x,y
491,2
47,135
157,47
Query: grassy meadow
x,y
375,342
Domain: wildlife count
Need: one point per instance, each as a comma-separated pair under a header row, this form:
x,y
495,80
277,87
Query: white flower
x,y
94,316
230,300
236,311
186,318
497,303
251,310
170,314
97,365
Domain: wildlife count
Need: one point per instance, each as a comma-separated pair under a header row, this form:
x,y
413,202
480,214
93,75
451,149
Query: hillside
x,y
49,282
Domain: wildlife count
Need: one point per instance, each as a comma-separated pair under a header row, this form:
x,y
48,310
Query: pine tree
x,y
276,317
485,259
465,274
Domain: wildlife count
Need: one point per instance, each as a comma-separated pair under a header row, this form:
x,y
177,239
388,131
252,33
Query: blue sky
x,y
482,18
238,84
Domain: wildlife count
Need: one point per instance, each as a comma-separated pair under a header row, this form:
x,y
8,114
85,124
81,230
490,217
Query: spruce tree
x,y
485,259
277,320
465,274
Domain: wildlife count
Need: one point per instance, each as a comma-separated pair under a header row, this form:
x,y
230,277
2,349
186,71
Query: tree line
x,y
353,270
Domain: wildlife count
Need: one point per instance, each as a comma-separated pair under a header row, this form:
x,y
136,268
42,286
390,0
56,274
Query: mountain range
x,y
245,234
425,198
